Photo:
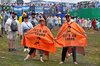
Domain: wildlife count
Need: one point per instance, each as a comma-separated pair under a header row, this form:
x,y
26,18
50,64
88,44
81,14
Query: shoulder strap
x,y
28,26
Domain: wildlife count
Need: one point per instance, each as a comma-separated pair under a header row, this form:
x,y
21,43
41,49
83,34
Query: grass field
x,y
15,58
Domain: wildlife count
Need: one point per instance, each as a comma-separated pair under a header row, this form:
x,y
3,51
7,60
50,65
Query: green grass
x,y
15,58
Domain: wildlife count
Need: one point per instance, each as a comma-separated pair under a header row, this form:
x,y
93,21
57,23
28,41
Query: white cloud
x,y
69,1
26,1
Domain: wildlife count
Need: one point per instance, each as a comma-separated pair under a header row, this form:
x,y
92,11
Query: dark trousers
x,y
25,47
32,50
2,30
64,53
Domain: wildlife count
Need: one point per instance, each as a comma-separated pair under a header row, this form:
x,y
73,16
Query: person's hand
x,y
7,32
85,35
18,34
55,39
21,34
25,33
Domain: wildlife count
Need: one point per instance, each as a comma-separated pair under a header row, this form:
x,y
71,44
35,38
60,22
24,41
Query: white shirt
x,y
26,26
56,19
9,21
50,20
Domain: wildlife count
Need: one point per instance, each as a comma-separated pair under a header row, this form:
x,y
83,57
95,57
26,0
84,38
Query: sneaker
x,y
24,49
9,50
27,49
13,49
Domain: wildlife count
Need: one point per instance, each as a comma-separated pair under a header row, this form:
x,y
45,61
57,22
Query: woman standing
x,y
39,38
97,25
94,23
25,26
89,24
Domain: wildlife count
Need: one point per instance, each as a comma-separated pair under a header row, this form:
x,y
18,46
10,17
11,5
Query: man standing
x,y
3,21
37,17
12,30
50,22
45,18
70,35
77,20
33,20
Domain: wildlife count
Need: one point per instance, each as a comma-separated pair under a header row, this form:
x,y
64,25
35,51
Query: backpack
x,y
14,26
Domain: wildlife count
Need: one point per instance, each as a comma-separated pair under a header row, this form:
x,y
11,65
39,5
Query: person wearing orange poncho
x,y
39,38
72,38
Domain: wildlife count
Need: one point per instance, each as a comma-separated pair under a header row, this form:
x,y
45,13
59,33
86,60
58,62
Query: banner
x,y
94,12
26,8
32,8
17,9
39,9
47,8
6,8
64,9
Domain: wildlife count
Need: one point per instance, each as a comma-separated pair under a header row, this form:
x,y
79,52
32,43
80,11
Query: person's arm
x,y
18,27
7,25
7,16
21,29
47,19
1,17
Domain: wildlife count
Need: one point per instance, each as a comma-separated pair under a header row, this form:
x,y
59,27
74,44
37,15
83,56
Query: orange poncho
x,y
39,38
71,35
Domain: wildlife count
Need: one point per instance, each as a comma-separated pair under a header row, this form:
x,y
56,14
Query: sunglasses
x,y
67,16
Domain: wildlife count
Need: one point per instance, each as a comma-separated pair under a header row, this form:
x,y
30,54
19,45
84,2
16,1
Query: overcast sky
x,y
70,1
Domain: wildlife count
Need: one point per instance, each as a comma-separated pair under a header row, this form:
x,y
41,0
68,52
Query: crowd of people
x,y
35,29
87,23
52,9
55,8
86,4
39,26
52,21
